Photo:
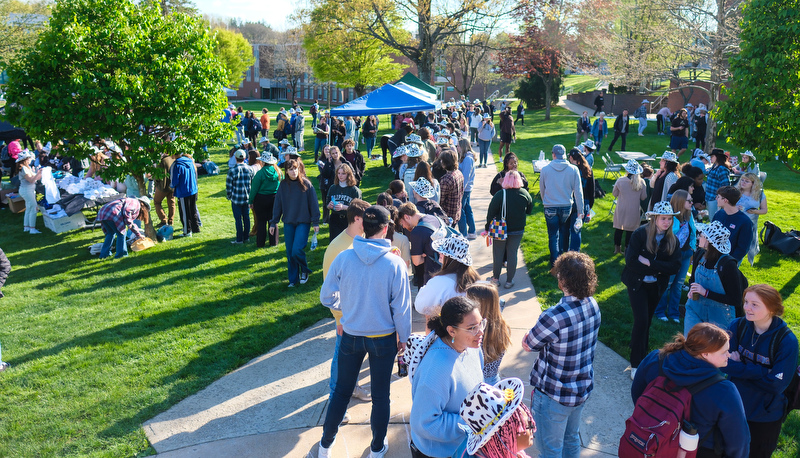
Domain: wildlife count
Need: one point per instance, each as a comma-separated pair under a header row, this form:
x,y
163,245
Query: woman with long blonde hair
x,y
684,229
652,256
497,336
753,203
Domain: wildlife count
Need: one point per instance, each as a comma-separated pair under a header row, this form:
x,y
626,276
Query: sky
x,y
274,14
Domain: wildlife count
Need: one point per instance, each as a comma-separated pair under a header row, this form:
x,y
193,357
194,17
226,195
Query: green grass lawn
x,y
97,347
575,84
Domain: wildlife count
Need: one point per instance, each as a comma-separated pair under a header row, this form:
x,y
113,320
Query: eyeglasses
x,y
474,330
690,201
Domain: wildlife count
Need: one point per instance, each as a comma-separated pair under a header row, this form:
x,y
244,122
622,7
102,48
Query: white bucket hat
x,y
400,151
633,167
263,140
267,158
292,151
476,101
486,408
413,150
423,187
590,144
283,142
414,138
416,348
443,140
669,156
717,235
661,208
456,248
749,154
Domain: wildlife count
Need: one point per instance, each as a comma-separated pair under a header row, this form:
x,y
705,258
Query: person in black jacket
x,y
5,268
653,254
510,163
355,158
584,128
577,159
715,292
621,125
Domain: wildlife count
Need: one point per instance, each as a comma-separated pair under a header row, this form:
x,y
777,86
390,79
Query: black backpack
x,y
4,156
278,135
787,243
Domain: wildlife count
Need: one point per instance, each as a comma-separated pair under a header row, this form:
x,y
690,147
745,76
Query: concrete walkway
x,y
274,406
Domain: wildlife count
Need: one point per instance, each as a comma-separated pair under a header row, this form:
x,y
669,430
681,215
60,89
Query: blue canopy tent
x,y
387,99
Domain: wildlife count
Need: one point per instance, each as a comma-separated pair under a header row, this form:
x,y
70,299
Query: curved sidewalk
x,y
274,406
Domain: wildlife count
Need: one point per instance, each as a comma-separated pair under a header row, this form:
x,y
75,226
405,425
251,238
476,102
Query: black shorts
x,y
505,137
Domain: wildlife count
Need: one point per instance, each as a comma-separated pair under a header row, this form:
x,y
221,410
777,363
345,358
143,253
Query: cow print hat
x,y
487,407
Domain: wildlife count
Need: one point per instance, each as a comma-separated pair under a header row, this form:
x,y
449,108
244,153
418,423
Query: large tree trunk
x,y
548,95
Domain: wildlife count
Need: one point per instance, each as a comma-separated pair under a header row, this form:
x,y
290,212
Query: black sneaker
x,y
303,278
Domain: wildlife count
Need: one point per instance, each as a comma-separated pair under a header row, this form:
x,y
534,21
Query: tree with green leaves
x,y
20,23
347,59
117,70
761,112
235,53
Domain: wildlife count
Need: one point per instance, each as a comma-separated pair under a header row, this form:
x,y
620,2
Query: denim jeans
x,y
668,305
559,220
484,146
557,427
575,235
295,236
240,137
466,224
642,125
241,214
298,140
370,142
111,232
381,352
319,143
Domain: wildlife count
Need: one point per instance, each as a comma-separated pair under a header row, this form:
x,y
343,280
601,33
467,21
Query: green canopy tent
x,y
412,80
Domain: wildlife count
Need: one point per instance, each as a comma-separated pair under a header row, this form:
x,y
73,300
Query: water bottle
x,y
578,224
541,155
688,440
314,242
402,367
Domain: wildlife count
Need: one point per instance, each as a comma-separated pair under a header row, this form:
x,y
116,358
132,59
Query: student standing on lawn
x,y
183,180
296,202
560,185
566,338
652,256
376,321
237,189
735,220
5,269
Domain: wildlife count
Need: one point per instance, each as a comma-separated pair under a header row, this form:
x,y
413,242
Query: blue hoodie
x,y
376,307
762,384
183,177
718,406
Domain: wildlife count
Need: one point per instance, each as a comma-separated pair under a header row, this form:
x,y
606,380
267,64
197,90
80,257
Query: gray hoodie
x,y
558,182
374,304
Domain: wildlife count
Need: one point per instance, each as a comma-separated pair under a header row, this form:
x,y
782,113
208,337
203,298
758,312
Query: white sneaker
x,y
324,452
362,394
34,231
26,229
472,236
380,454
346,418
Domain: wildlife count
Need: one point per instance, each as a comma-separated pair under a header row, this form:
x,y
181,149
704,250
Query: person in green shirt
x,y
262,196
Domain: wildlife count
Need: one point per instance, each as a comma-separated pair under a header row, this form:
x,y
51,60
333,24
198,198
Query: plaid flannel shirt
x,y
718,177
565,337
237,185
122,213
452,190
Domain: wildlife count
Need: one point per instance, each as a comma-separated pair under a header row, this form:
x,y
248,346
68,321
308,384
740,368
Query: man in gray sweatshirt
x,y
376,321
562,197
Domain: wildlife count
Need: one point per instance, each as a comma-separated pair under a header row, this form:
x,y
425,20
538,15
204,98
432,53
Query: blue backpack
x,y
211,168
164,233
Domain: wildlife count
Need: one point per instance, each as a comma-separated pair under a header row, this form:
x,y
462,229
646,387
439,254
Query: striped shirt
x,y
565,337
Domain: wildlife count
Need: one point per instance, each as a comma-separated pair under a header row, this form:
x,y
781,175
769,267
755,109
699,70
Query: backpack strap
x,y
775,343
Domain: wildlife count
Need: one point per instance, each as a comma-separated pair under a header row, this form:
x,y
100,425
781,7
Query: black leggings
x,y
618,237
262,206
764,438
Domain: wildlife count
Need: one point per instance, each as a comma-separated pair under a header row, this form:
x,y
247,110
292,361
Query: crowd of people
x,y
423,223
